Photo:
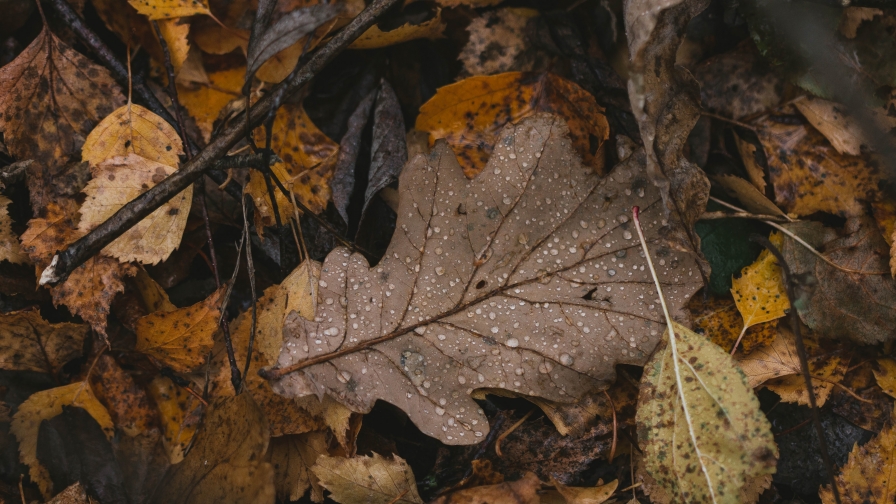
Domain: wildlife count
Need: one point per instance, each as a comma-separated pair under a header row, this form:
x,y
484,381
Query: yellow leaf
x,y
471,113
154,296
175,32
374,37
180,339
167,9
205,102
308,159
886,377
30,343
699,423
132,129
373,480
759,293
868,475
121,179
10,249
585,495
45,405
719,320
180,413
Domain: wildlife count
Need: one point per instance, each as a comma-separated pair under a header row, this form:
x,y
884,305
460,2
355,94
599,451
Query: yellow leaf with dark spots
x,y
132,129
759,293
167,9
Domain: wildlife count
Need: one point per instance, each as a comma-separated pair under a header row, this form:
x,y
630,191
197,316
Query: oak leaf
x,y
132,129
226,462
30,343
374,480
375,38
759,293
471,113
116,182
699,424
860,306
168,9
527,278
181,338
867,475
10,248
50,98
45,405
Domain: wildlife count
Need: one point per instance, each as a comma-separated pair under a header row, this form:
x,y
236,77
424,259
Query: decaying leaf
x,y
777,367
10,249
226,462
133,129
859,306
30,343
800,158
168,9
374,480
699,424
738,83
521,491
868,475
500,42
832,121
127,403
374,38
471,113
116,182
181,338
719,320
292,458
527,278
74,494
759,293
179,413
45,405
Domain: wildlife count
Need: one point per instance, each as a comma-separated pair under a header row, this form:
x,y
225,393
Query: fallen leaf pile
x,y
438,290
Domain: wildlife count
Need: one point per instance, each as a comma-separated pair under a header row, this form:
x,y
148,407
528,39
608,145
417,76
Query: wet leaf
x,y
10,249
522,491
375,38
116,182
45,405
367,479
343,181
471,113
180,339
132,129
759,293
30,343
867,476
699,424
858,306
389,151
719,320
226,461
50,79
799,157
179,413
168,9
292,458
518,252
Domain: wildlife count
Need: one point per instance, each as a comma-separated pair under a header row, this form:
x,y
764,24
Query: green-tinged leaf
x,y
699,423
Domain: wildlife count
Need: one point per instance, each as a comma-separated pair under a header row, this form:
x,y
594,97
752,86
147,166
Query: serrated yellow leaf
x,y
132,129
374,480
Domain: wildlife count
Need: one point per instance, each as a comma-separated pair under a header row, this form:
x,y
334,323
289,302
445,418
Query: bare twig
x,y
129,215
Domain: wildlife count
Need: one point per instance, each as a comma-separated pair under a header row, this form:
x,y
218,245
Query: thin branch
x,y
74,255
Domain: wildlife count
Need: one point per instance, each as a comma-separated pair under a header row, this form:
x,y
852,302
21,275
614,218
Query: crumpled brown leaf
x,y
860,306
527,278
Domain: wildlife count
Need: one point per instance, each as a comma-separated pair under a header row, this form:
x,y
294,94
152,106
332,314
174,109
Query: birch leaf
x,y
374,480
699,424
759,292
133,129
527,278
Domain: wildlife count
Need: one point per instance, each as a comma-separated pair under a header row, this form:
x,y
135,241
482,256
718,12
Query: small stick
x,y
613,446
728,120
510,430
251,268
235,377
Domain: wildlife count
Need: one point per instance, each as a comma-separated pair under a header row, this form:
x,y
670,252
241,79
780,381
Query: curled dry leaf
x,y
751,158
799,157
471,113
375,38
860,306
759,293
373,480
527,278
226,462
10,248
116,182
30,343
50,79
180,339
168,9
45,405
699,424
868,475
521,491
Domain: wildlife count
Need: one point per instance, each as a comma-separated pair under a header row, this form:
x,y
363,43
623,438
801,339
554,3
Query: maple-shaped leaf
x,y
116,182
50,98
527,278
10,249
30,343
89,290
181,338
